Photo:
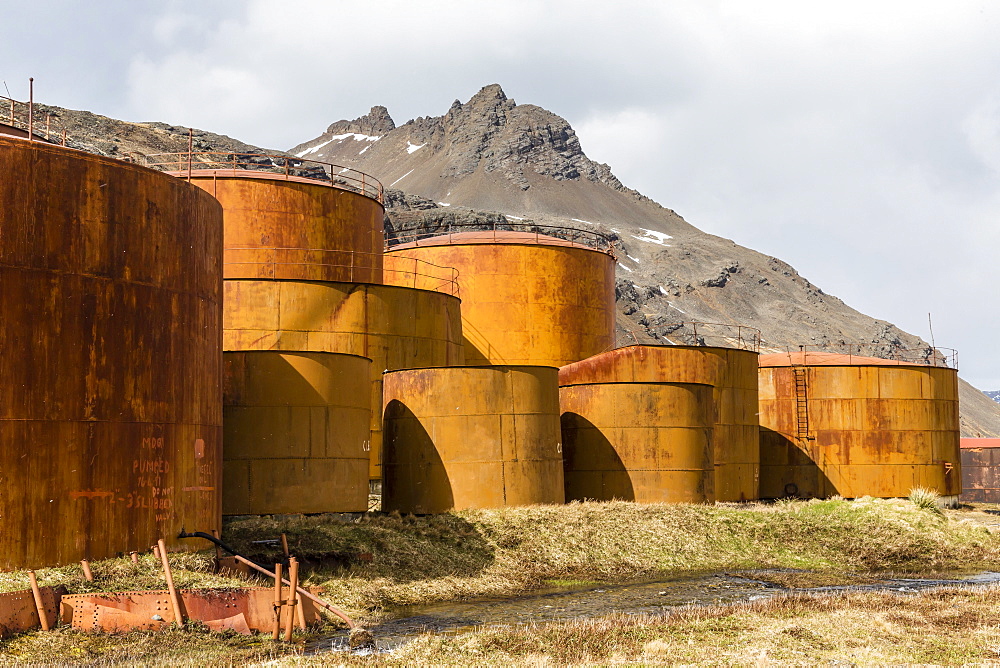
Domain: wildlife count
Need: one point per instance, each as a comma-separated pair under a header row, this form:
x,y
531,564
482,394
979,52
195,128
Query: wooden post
x,y
175,602
36,594
86,570
284,545
218,550
293,579
276,627
135,556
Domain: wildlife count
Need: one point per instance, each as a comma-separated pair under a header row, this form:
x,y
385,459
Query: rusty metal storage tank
x,y
732,404
396,327
848,425
528,298
290,218
295,433
111,417
471,437
980,470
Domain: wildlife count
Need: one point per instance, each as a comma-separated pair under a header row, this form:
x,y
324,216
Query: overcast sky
x,y
860,142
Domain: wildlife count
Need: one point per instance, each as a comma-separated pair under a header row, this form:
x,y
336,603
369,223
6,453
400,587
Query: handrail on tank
x,y
290,166
406,271
573,235
709,334
929,355
9,116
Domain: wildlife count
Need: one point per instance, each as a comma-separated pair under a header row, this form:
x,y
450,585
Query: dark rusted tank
x,y
980,470
111,417
296,430
732,375
471,437
395,327
527,298
295,228
834,424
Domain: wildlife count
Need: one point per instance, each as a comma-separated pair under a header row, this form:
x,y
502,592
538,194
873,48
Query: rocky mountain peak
x,y
376,123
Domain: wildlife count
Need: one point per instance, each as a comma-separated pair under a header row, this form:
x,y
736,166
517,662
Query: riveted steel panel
x,y
296,429
395,327
645,442
529,303
858,430
295,229
240,610
731,372
471,437
18,612
110,428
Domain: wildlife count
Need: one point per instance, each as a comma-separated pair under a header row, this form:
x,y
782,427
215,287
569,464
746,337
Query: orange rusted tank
x,y
296,429
526,298
111,420
471,437
295,228
833,424
395,327
731,372
980,470
645,442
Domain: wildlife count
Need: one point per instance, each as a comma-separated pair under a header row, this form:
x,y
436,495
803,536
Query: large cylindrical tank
x,y
295,228
644,442
526,298
110,319
980,470
732,373
852,426
395,327
471,437
296,428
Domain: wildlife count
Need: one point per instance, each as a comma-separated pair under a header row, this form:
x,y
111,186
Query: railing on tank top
x,y
710,334
186,163
549,235
347,266
857,353
22,116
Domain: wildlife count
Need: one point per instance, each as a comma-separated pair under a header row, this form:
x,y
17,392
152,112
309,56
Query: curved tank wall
x,y
863,427
980,470
393,326
471,437
732,372
110,422
296,228
545,302
296,428
645,442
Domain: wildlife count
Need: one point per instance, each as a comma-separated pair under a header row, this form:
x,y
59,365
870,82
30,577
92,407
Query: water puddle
x,y
656,597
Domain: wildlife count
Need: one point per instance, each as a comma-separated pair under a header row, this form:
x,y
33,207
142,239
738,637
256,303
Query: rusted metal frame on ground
x,y
334,609
260,569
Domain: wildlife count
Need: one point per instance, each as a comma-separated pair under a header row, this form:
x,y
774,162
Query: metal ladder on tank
x,y
801,402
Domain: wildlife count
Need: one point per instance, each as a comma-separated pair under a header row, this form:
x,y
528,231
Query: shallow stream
x,y
581,602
